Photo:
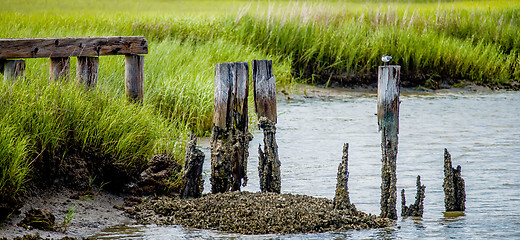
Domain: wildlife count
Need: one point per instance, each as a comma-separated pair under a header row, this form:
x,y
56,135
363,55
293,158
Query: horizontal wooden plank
x,y
71,47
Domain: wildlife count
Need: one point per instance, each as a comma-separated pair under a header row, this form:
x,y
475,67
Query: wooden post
x,y
241,135
341,199
454,186
59,68
388,121
134,77
265,106
87,71
193,182
221,176
416,209
13,69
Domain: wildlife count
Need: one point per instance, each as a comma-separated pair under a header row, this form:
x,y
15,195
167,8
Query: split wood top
x,y
71,47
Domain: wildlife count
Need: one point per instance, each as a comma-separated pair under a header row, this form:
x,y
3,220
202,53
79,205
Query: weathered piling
x,y
87,71
454,186
193,182
13,69
265,107
241,135
341,199
416,209
221,136
59,68
134,77
388,121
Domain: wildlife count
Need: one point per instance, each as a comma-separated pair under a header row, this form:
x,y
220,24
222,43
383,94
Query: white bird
x,y
385,58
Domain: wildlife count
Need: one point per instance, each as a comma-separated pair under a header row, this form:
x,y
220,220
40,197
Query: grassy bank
x,y
447,42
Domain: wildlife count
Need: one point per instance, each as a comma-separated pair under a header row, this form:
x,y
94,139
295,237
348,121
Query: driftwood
x,y
193,182
416,209
454,186
388,121
265,107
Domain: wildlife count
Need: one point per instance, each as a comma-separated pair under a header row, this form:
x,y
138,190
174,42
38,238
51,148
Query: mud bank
x,y
256,213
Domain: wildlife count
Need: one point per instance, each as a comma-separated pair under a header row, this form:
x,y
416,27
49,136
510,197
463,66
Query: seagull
x,y
386,59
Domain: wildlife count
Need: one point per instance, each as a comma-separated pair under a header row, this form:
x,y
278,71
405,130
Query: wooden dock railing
x,y
86,49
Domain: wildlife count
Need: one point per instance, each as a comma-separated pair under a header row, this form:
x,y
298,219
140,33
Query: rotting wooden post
x,y
193,182
416,209
221,139
454,186
87,71
388,121
59,68
341,198
241,135
13,69
134,77
265,106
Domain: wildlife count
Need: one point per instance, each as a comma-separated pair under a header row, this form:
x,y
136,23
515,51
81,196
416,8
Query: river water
x,y
481,131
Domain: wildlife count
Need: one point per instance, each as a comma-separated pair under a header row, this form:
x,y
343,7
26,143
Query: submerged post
x,y
221,139
341,199
87,71
265,106
13,69
416,209
134,77
193,182
59,68
454,186
388,121
241,135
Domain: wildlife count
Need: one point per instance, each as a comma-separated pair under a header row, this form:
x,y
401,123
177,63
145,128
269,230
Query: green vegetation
x,y
459,42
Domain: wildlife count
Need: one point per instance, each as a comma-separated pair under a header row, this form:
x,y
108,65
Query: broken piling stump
x,y
13,69
265,107
454,186
241,135
193,182
416,209
388,121
341,198
221,177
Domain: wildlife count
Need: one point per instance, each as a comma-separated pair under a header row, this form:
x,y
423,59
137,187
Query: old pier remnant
x,y
12,69
416,209
454,187
341,199
230,136
388,121
265,107
193,182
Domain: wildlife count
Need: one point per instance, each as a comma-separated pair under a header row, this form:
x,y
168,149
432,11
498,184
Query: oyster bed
x,y
256,213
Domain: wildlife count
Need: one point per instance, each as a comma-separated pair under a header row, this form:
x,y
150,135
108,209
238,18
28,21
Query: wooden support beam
x,y
13,69
388,121
87,71
241,135
59,68
71,47
265,106
193,182
221,134
134,77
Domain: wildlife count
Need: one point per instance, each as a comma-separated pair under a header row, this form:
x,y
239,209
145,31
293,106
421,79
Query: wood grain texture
x,y
87,71
13,69
134,77
223,102
59,68
388,121
264,89
72,47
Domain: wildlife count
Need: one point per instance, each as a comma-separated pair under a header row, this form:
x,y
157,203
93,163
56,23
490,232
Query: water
x,y
481,131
